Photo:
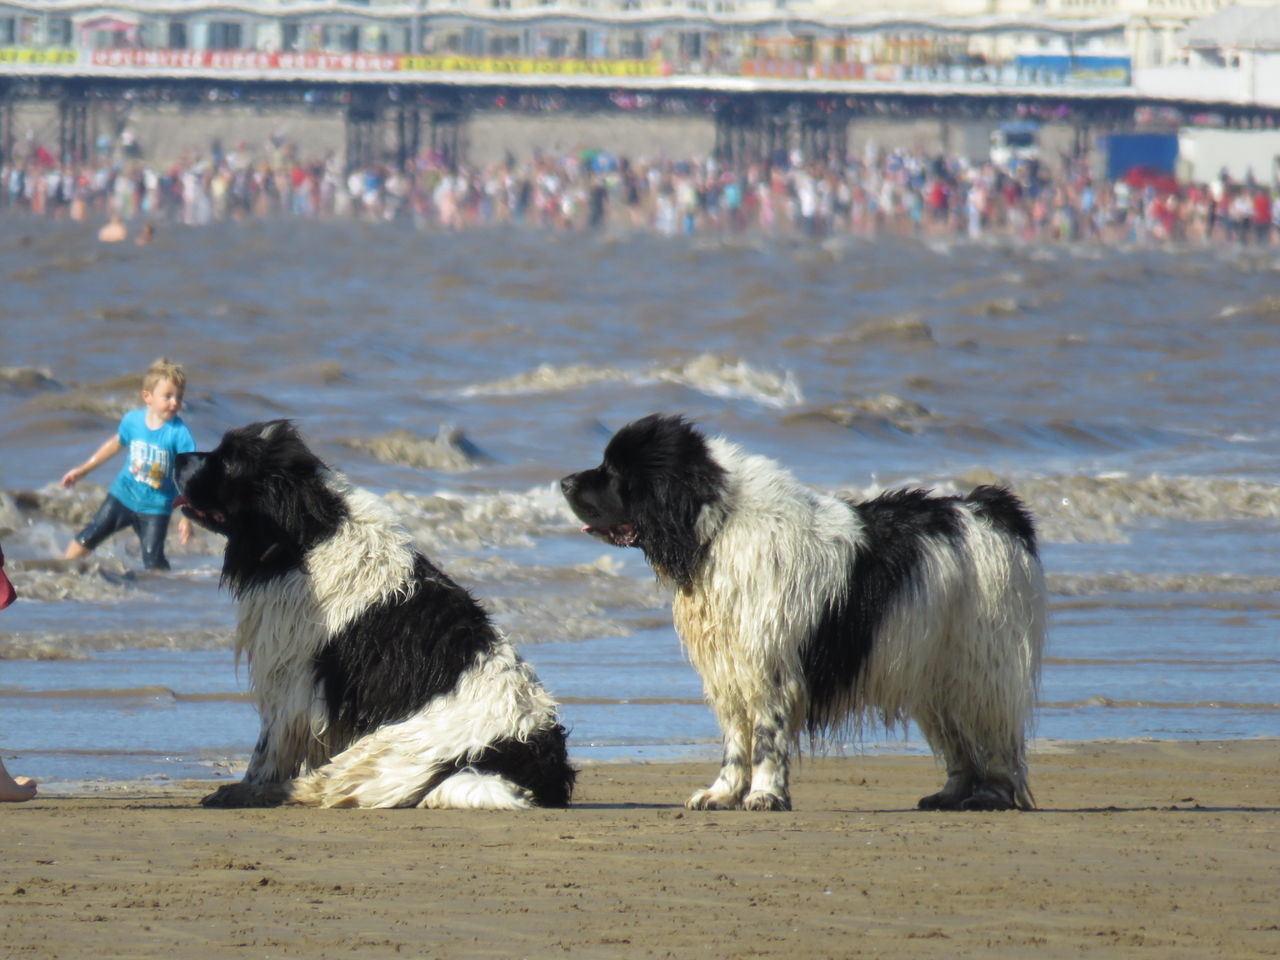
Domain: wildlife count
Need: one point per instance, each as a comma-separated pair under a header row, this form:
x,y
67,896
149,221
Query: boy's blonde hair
x,y
164,369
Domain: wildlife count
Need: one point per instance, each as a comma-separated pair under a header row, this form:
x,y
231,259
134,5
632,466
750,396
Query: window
x,y
342,38
109,39
224,35
177,35
59,31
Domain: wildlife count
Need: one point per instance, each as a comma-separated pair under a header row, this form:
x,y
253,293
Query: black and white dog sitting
x,y
379,681
804,612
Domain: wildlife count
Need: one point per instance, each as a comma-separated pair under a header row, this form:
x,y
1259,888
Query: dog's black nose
x,y
569,484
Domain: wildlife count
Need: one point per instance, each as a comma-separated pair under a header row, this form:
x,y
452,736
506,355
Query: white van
x,y
1015,142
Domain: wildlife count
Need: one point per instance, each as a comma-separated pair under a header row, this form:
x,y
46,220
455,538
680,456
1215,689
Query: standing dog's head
x,y
655,480
264,490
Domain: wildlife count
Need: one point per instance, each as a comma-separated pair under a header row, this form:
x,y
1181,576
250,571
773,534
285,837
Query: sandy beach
x,y
1165,849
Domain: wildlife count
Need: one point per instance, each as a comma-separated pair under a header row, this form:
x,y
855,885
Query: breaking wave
x,y
1095,584
58,645
707,373
27,379
449,451
1100,509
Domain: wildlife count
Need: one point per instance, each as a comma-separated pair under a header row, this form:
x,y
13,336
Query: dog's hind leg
x,y
986,773
471,789
947,745
735,768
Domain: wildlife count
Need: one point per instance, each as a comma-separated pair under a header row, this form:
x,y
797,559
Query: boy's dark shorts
x,y
114,516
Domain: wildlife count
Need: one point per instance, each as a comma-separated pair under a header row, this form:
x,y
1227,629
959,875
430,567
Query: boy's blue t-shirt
x,y
145,483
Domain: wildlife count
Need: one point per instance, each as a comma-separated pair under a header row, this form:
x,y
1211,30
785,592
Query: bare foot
x,y
15,789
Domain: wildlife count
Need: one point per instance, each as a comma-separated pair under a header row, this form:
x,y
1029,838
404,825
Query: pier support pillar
x,y
6,129
838,141
736,136
364,140
408,134
775,139
1081,140
824,139
73,130
447,137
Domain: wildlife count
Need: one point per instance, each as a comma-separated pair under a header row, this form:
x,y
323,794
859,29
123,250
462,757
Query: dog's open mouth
x,y
213,516
623,535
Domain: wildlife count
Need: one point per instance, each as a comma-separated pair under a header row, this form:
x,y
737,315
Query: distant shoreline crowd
x,y
896,192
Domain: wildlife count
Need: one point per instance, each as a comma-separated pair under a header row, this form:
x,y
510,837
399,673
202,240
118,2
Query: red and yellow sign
x,y
367,63
530,65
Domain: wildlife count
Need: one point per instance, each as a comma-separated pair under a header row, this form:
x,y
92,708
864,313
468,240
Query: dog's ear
x,y
266,431
273,431
271,428
671,476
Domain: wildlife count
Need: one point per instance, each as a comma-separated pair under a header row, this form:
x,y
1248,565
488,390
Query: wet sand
x,y
1165,849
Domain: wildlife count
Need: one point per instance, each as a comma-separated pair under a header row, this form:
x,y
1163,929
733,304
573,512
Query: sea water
x,y
1128,395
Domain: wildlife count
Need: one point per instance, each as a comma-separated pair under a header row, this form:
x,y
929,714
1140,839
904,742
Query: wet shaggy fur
x,y
379,681
805,613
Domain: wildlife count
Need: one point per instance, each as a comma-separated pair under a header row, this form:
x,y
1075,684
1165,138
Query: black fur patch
x,y
539,764
897,526
400,654
1006,512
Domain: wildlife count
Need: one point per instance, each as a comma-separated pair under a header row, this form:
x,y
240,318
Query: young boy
x,y
143,493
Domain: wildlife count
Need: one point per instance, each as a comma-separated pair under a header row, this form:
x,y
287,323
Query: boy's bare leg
x,y
76,550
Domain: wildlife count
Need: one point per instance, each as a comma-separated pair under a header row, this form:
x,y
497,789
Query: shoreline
x,y
1153,843
897,750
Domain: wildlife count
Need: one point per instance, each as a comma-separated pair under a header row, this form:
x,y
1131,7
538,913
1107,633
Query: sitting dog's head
x,y
264,490
656,477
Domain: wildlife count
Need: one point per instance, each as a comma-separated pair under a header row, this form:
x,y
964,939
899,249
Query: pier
x,y
406,79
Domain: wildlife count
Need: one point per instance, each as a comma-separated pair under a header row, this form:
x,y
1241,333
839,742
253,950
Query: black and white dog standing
x,y
804,612
379,681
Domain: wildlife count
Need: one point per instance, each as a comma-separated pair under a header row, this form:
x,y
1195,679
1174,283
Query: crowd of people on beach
x,y
903,192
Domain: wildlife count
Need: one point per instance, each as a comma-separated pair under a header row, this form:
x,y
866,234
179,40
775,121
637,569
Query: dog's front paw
x,y
989,798
243,794
764,800
710,800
